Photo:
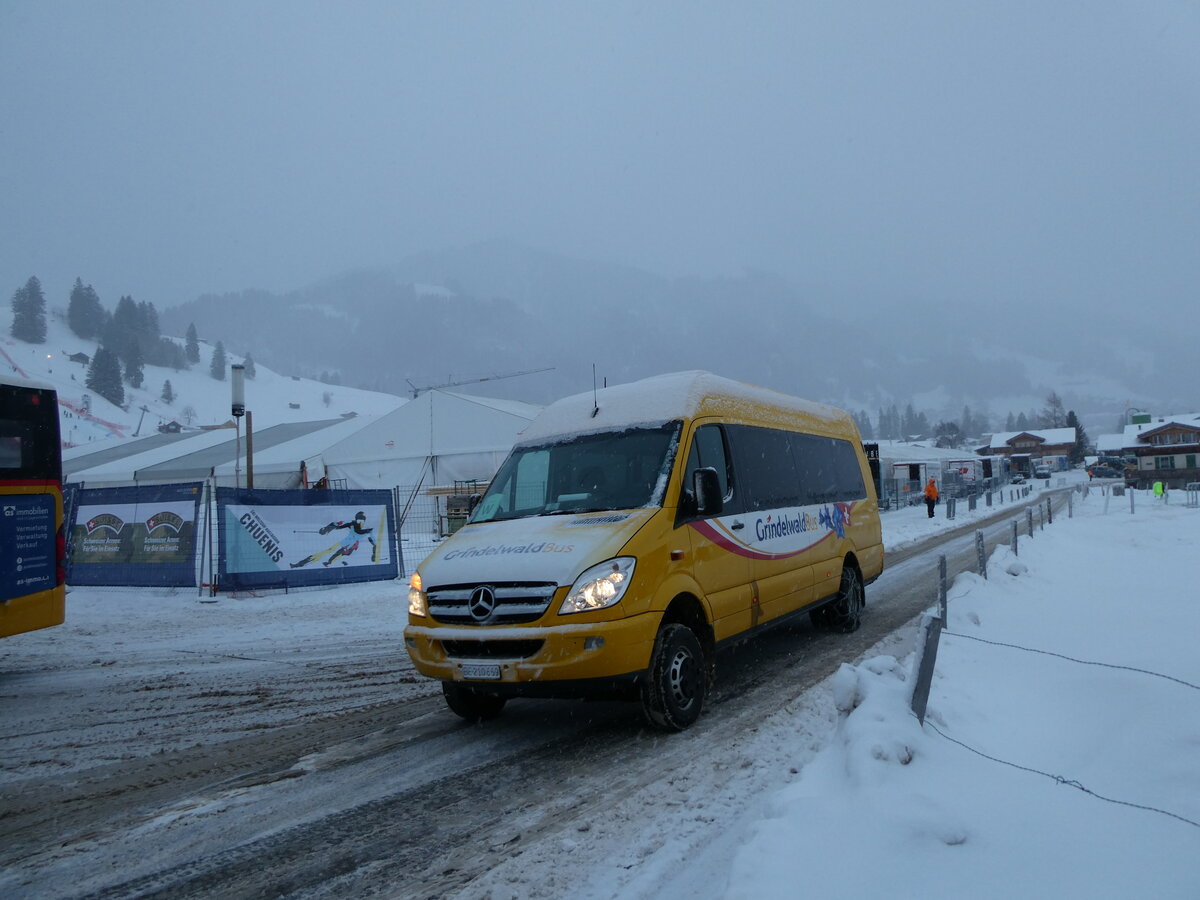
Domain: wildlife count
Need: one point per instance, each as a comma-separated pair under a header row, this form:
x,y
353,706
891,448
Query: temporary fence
x,y
933,623
272,539
141,536
193,534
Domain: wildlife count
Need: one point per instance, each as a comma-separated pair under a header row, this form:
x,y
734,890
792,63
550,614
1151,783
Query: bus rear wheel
x,y
471,704
675,686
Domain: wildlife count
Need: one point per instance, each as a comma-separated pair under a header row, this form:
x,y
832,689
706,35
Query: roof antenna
x,y
595,399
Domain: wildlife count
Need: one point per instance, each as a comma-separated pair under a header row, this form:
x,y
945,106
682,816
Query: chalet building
x,y
1023,449
1167,449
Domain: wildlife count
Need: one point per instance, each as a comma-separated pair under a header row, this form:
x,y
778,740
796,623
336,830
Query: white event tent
x,y
436,439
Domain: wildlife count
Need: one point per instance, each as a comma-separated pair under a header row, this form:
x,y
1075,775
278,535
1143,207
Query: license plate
x,y
481,672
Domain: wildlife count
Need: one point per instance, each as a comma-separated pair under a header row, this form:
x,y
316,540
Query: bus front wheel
x,y
469,703
676,683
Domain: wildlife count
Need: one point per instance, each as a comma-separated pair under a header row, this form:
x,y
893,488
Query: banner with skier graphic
x,y
292,538
135,536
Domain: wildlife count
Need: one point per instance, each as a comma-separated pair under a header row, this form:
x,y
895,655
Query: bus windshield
x,y
607,470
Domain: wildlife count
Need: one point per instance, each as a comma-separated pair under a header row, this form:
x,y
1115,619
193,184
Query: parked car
x,y
1104,472
1018,477
1041,472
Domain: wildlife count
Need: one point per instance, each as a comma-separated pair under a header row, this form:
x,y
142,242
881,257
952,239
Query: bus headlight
x,y
600,586
418,603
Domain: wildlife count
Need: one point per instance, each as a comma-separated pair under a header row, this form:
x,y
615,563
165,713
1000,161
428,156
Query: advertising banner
x,y
27,534
281,538
135,536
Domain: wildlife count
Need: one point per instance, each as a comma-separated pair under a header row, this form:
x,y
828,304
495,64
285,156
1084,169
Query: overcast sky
x,y
962,152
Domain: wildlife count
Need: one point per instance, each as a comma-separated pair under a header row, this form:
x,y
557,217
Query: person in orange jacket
x,y
931,496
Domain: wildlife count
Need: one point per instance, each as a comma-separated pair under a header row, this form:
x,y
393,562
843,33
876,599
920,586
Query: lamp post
x,y
238,386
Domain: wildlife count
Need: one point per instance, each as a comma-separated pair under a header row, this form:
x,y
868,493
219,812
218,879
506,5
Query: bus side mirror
x,y
706,488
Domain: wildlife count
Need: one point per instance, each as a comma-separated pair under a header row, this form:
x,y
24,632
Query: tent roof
x,y
87,456
287,455
436,423
194,457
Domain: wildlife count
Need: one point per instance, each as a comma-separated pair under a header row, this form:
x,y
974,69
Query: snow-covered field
x,y
1059,757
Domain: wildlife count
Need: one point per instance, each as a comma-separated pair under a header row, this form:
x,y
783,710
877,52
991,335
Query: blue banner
x,y
135,536
296,538
27,534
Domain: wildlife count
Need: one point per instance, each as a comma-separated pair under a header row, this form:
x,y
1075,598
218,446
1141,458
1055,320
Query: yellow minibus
x,y
634,530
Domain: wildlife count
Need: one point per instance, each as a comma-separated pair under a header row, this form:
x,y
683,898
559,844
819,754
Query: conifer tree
x,y
134,373
249,364
104,376
216,368
168,393
192,350
29,313
1080,447
864,425
85,315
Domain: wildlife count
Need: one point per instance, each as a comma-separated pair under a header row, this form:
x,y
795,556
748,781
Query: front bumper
x,y
528,654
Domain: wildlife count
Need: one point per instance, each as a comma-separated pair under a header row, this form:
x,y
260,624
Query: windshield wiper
x,y
575,510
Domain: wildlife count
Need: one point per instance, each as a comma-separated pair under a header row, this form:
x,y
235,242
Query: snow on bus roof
x,y
18,381
660,399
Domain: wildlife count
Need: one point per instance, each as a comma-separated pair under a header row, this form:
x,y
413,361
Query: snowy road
x,y
163,755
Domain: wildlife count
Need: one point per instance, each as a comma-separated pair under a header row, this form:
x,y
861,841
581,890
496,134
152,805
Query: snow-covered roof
x,y
660,399
1048,435
1110,443
920,451
1132,432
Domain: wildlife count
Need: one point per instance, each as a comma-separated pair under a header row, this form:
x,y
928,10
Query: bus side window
x,y
708,451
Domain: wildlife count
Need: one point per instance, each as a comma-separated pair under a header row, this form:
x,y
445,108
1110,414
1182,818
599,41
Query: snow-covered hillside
x,y
199,399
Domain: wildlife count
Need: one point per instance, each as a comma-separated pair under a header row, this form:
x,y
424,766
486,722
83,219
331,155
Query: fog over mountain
x,y
498,308
838,199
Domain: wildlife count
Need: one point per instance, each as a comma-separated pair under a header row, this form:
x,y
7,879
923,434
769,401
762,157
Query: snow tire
x,y
471,704
675,686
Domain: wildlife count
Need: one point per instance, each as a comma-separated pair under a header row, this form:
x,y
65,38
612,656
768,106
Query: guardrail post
x,y
989,498
1070,506
1014,537
1041,518
1029,520
925,665
1049,512
981,552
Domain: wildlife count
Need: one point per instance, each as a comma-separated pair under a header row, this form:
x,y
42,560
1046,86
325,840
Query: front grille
x,y
491,649
515,603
